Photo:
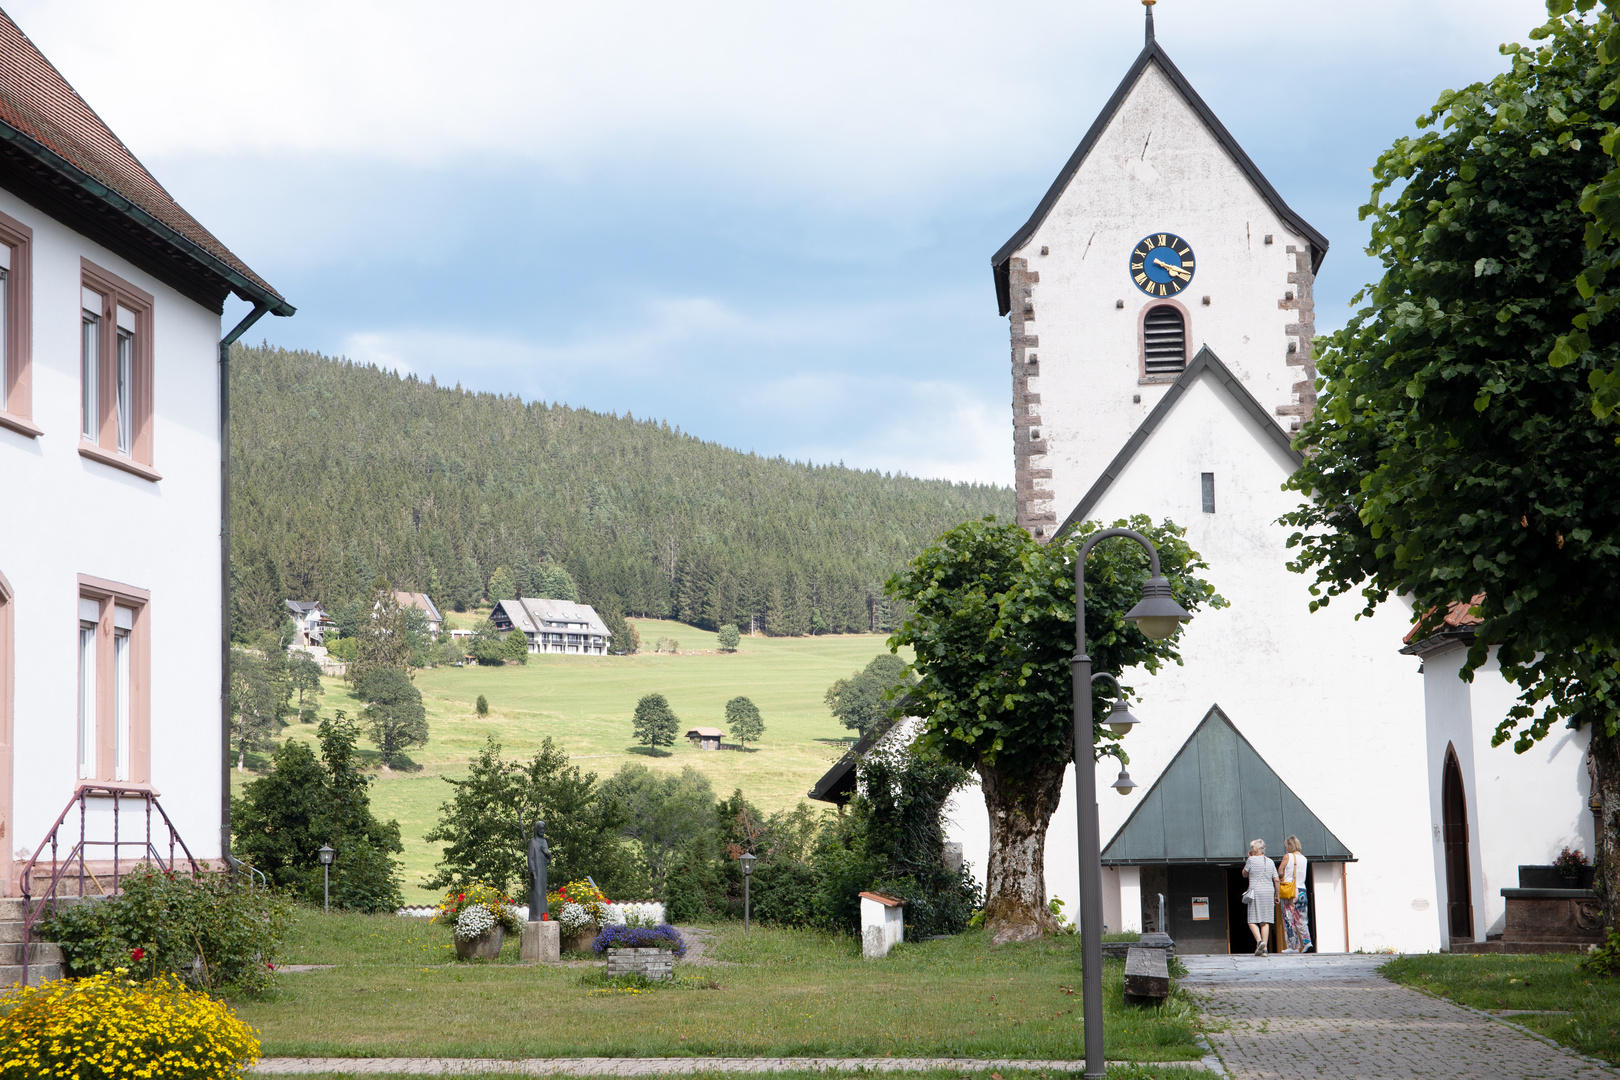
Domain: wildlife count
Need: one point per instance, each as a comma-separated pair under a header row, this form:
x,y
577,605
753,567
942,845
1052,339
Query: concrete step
x,y
11,908
40,952
11,974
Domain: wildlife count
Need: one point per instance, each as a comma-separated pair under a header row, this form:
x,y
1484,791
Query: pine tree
x,y
655,723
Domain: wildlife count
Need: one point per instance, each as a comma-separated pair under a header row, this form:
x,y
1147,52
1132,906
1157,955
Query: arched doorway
x,y
1454,825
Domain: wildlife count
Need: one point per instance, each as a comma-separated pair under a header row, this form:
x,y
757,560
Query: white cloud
x,y
847,97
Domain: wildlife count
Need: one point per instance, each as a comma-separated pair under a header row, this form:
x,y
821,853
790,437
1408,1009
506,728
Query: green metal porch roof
x,y
1216,795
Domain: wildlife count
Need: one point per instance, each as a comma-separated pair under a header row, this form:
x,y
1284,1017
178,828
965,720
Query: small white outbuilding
x,y
882,924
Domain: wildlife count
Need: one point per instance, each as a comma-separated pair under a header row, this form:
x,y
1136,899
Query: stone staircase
x,y
45,959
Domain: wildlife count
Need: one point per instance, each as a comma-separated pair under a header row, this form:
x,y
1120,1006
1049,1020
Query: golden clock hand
x,y
1176,270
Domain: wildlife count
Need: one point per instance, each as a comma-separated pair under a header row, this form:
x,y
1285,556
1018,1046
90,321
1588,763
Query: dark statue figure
x,y
539,859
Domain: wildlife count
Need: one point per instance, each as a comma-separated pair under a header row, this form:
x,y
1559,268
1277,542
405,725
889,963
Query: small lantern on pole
x,y
326,854
747,859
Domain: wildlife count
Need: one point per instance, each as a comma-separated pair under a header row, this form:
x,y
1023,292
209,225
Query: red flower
x,y
460,897
137,953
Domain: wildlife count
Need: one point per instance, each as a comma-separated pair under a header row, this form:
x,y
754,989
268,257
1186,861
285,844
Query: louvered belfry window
x,y
1164,341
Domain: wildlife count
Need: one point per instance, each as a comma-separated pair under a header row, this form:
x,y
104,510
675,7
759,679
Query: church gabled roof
x,y
1151,53
1216,795
1205,361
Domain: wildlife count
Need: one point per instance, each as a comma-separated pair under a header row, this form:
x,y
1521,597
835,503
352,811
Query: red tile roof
x,y
1458,617
38,102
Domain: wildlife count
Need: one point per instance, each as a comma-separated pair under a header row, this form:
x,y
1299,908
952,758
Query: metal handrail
x,y
60,865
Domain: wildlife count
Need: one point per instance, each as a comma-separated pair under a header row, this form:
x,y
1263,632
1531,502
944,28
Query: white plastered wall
x,y
1155,168
1326,700
1522,808
65,516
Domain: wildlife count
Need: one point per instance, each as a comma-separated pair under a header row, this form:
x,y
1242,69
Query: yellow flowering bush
x,y
108,1027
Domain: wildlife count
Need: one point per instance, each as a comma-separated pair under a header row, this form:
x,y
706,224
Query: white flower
x,y
474,921
576,918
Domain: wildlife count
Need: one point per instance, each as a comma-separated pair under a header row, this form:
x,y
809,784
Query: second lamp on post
x,y
326,854
747,859
1156,615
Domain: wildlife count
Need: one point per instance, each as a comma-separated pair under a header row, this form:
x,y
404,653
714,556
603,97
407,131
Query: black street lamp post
x,y
1156,615
326,854
747,860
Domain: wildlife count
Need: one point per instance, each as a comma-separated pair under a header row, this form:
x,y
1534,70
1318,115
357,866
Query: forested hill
x,y
342,472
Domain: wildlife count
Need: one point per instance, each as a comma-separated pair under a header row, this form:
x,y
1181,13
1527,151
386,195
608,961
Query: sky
x,y
768,224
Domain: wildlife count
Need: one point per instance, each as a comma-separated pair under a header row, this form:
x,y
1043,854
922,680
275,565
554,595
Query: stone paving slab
x,y
1287,1017
661,1066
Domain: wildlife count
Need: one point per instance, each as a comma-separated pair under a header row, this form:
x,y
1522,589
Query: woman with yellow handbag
x,y
1295,904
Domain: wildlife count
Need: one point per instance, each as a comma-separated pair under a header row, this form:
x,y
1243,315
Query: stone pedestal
x,y
1544,915
542,941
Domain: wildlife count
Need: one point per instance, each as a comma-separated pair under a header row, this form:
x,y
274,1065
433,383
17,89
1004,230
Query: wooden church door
x,y
1454,817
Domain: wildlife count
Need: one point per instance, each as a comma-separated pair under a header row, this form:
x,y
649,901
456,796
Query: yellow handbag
x,y
1288,889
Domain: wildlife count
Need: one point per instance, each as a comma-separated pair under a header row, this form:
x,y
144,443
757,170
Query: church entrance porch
x,y
1188,838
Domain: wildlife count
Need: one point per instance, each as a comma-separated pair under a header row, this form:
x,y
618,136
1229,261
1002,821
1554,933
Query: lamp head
x,y
747,859
1120,721
1124,784
326,855
1157,614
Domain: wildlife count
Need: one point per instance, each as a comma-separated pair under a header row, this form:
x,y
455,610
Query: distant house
x,y
311,621
553,626
422,602
706,738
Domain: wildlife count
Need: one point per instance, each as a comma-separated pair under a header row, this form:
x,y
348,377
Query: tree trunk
x,y
241,758
1020,806
1606,754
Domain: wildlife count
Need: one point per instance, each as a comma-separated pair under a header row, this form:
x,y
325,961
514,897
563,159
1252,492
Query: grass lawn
x,y
784,993
585,703
1582,1011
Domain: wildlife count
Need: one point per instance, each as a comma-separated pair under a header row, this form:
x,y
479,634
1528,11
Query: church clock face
x,y
1162,264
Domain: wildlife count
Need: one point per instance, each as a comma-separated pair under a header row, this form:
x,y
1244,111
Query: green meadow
x,y
585,704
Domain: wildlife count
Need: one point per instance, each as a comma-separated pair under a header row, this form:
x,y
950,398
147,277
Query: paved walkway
x,y
1289,1017
650,1066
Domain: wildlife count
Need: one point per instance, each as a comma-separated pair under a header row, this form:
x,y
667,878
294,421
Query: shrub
x,y
615,936
108,1026
344,649
207,929
281,821
729,637
483,705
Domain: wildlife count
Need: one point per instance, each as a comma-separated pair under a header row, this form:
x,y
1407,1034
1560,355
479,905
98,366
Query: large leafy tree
x,y
869,695
261,695
664,812
743,720
1455,457
992,624
394,714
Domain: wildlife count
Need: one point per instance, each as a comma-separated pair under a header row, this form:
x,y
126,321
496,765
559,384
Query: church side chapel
x,y
1161,312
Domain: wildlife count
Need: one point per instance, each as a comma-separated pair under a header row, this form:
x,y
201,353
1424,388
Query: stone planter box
x,y
650,964
1548,877
486,946
580,942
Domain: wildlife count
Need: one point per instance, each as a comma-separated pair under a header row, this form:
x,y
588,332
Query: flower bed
x,y
109,1026
617,936
476,910
648,913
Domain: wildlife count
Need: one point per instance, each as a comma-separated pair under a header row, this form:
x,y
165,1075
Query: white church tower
x,y
1095,324
1160,306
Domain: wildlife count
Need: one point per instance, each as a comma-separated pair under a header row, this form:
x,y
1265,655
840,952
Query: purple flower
x,y
617,936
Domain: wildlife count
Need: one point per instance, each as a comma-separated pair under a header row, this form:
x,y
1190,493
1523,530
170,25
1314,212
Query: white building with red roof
x,y
113,475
